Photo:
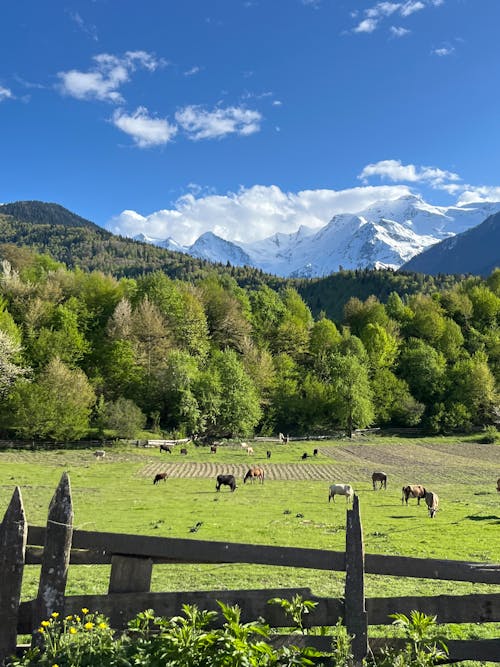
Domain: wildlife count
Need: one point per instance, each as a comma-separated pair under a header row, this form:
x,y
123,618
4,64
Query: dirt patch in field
x,y
354,462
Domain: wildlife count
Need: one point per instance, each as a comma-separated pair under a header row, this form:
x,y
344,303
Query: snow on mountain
x,y
386,234
214,249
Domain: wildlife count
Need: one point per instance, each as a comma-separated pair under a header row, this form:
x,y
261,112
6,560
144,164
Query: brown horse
x,y
160,476
255,472
379,477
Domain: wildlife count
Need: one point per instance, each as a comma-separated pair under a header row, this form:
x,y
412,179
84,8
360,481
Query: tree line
x,y
84,351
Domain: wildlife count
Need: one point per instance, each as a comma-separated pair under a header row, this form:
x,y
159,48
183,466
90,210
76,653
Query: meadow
x,y
290,509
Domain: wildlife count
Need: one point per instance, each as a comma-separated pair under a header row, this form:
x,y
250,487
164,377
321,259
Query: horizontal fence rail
x,y
132,558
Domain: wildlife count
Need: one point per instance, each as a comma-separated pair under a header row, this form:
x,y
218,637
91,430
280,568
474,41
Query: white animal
x,y
244,445
432,502
100,454
250,450
341,490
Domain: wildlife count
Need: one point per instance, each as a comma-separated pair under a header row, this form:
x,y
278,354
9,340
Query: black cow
x,y
225,480
160,476
184,451
165,448
315,452
268,454
304,455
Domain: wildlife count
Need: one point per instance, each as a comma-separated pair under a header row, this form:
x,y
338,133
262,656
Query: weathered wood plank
x,y
355,617
176,550
173,550
34,556
55,561
476,608
130,574
121,607
13,533
427,568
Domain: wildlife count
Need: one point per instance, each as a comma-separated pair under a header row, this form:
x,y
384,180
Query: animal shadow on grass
x,y
403,517
493,518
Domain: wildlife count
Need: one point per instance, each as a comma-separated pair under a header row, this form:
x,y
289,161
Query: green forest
x,y
84,352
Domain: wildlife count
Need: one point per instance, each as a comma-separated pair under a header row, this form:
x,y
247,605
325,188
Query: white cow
x,y
250,450
341,490
432,502
100,454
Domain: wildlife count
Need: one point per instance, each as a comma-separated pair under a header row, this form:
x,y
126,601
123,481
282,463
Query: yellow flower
x,y
45,623
55,614
77,618
55,665
41,631
73,631
68,618
85,610
103,625
88,626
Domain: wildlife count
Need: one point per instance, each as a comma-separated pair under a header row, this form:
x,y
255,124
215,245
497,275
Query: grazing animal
x,y
498,484
268,454
287,439
165,448
341,490
255,472
250,450
412,491
304,455
315,452
160,476
244,445
184,451
213,449
432,502
100,454
379,477
227,480
281,437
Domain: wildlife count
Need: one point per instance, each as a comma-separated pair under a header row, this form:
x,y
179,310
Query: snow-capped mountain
x,y
386,234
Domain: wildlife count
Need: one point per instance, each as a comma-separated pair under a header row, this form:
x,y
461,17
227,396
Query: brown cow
x,y
432,502
160,476
255,472
498,485
379,477
413,491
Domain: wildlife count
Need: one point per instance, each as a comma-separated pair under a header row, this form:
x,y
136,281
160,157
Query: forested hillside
x,y
81,349
68,238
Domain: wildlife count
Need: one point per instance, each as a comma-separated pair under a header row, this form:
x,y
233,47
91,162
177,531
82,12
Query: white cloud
x,y
382,9
443,51
102,82
393,170
411,7
367,25
374,16
87,28
192,71
5,94
202,124
480,193
250,214
398,31
145,130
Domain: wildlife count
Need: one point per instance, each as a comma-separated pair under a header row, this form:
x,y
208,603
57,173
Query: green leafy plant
x,y
423,647
295,608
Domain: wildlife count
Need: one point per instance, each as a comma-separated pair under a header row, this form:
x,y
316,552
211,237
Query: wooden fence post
x,y
130,574
55,559
13,533
356,619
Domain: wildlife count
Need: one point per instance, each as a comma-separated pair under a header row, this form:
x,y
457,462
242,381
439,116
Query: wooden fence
x,y
132,557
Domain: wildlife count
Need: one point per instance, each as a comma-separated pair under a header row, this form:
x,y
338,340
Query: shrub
x,y
490,435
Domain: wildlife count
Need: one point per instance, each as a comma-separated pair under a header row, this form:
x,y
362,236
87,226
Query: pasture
x,y
291,508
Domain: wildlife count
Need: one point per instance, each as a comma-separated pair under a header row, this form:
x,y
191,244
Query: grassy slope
x,y
117,495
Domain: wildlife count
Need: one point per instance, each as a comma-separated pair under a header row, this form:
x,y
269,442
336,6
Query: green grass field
x,y
291,508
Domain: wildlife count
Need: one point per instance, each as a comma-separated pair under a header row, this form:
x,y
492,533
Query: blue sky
x,y
247,117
